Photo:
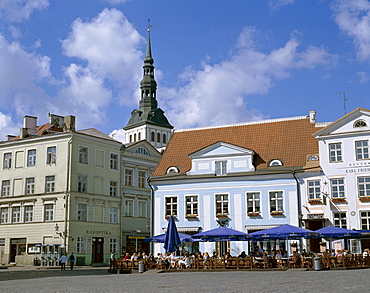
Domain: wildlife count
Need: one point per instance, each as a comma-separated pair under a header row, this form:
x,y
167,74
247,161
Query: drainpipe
x,y
151,215
298,200
67,193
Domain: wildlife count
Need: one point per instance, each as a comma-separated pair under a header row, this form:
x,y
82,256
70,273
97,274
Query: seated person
x,y
127,256
185,261
173,259
242,255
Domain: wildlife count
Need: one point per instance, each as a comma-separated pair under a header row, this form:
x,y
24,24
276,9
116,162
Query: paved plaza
x,y
99,280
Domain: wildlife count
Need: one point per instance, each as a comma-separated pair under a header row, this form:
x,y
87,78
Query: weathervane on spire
x,y
149,25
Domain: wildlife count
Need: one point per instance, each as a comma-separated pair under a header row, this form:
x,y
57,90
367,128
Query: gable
x,y
142,148
353,122
221,149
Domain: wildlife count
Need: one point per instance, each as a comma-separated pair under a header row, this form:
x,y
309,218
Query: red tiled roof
x,y
40,131
288,140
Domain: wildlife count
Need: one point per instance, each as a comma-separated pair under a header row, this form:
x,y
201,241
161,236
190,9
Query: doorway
x,y
97,250
314,243
17,247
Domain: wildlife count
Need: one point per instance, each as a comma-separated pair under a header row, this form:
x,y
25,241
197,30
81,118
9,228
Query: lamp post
x,y
64,235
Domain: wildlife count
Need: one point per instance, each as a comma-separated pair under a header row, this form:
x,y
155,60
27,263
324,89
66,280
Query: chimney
x,y
30,123
24,133
70,123
312,116
9,136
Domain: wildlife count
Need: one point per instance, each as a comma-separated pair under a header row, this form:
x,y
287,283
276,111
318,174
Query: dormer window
x,y
172,170
275,162
313,158
221,168
360,123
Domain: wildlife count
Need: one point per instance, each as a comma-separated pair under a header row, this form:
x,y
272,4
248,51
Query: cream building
x,y
60,191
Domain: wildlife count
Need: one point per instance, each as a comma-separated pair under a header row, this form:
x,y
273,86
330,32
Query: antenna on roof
x,y
149,25
345,100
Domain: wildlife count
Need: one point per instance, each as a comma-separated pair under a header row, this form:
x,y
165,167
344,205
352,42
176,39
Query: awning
x,y
185,230
259,227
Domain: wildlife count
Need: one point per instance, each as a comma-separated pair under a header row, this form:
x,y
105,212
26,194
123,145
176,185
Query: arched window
x,y
152,138
275,163
313,158
172,170
142,151
130,138
135,137
164,138
139,135
359,123
158,137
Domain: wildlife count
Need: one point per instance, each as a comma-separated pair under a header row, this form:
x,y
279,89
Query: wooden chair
x,y
305,263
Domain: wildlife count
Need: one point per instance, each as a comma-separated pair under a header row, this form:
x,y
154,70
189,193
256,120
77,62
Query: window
x,y
81,244
360,123
16,214
31,158
253,202
276,201
158,137
5,188
114,161
220,167
49,184
222,203
82,212
83,155
30,185
142,212
335,152
362,150
113,188
28,214
275,162
7,161
129,207
171,206
365,220
128,177
314,191
340,220
152,136
164,139
130,137
48,212
142,151
4,215
363,186
113,245
51,156
191,204
113,215
337,188
141,179
82,183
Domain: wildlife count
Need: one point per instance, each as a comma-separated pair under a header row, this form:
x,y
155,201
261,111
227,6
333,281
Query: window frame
x,y
48,214
171,206
50,184
340,219
251,198
113,188
142,213
113,214
51,156
274,201
314,190
5,188
31,158
28,213
366,190
30,186
81,244
336,194
83,155
141,180
221,168
82,211
192,206
4,215
362,150
7,160
129,212
16,214
365,225
113,161
82,184
222,204
129,178
335,154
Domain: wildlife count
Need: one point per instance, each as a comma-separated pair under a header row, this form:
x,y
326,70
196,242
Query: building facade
x,y
340,195
59,192
246,176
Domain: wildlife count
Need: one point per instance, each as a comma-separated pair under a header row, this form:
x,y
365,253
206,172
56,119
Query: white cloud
x,y
19,10
115,2
363,77
277,4
353,18
112,48
218,93
7,126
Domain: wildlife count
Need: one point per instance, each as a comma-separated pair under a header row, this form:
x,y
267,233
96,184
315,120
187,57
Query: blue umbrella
x,y
172,239
284,232
221,234
336,232
161,238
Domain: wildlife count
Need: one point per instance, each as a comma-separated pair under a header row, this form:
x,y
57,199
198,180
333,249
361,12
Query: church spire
x,y
148,85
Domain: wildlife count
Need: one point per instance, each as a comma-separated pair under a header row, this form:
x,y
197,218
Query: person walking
x,y
63,260
71,260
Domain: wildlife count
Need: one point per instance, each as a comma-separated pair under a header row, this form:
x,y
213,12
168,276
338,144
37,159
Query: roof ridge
x,y
244,123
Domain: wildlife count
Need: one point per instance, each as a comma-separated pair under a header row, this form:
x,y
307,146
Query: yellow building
x,y
60,191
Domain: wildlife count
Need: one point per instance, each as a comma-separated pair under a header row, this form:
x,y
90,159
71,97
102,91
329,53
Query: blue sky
x,y
217,61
